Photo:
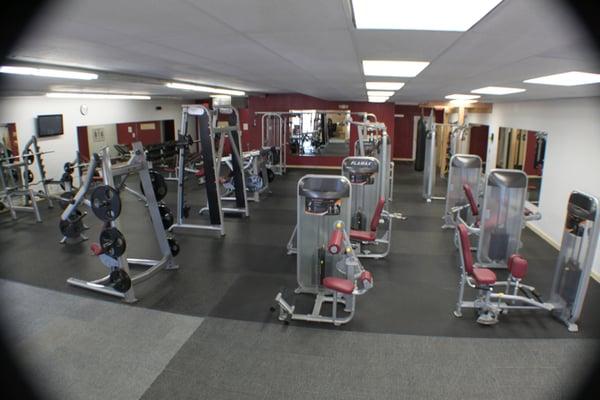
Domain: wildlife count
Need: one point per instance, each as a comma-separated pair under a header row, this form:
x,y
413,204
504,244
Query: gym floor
x,y
206,331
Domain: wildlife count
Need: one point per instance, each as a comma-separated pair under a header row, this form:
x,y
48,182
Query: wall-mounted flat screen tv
x,y
50,125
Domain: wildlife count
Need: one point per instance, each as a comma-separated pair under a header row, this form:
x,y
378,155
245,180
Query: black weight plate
x,y
30,158
270,175
174,247
64,199
158,184
73,226
113,242
166,216
29,176
68,168
121,280
106,203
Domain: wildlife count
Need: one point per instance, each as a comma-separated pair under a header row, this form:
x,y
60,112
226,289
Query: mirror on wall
x,y
523,149
319,133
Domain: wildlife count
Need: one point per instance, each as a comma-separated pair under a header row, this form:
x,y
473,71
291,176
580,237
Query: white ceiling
x,y
305,46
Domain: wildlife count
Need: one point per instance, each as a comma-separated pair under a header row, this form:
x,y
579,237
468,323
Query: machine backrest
x,y
377,214
465,248
471,198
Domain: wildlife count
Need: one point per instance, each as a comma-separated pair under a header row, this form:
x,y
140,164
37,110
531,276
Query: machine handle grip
x,y
335,242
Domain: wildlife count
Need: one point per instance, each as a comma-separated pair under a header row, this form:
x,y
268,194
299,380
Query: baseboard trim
x,y
554,244
543,235
313,167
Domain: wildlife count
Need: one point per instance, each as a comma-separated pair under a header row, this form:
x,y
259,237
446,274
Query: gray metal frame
x,y
575,259
137,164
458,175
281,142
180,223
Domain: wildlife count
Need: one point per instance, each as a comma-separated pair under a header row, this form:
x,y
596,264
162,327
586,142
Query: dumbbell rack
x,y
136,164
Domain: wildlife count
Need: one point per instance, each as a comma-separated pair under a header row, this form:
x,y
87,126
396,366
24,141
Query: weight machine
x,y
256,173
367,208
465,169
571,277
17,179
106,204
273,139
327,267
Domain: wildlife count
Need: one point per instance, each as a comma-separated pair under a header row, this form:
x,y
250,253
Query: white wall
x,y
572,159
23,112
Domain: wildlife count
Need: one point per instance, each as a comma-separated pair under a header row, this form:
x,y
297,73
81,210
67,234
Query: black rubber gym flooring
x,y
237,276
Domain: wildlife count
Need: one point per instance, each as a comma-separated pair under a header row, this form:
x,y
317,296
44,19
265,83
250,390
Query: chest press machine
x,y
571,275
327,267
367,207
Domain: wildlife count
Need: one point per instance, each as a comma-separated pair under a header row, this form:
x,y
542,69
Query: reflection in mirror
x,y
315,132
524,150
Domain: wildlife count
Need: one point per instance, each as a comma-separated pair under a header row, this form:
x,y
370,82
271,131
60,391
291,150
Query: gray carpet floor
x,y
79,348
83,348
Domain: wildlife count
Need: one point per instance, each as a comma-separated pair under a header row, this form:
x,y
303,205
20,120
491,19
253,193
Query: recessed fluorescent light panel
x,y
428,15
48,73
378,99
497,90
462,96
572,78
379,93
71,95
384,85
206,89
393,68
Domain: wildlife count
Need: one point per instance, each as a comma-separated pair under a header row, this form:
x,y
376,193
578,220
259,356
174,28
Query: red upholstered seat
x,y
200,173
471,199
366,276
339,285
363,236
371,235
484,276
517,266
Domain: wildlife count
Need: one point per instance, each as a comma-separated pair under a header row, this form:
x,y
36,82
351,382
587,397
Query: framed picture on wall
x,y
98,135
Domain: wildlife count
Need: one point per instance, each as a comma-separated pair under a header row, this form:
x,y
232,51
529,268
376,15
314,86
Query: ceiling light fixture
x,y
378,99
77,95
206,89
497,90
47,72
379,93
408,69
571,78
384,85
429,15
462,96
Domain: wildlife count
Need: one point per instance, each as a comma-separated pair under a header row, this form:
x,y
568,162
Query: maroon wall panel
x,y
82,142
403,134
148,136
530,155
479,141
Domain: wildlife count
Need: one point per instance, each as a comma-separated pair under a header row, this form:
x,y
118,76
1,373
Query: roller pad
x,y
517,266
